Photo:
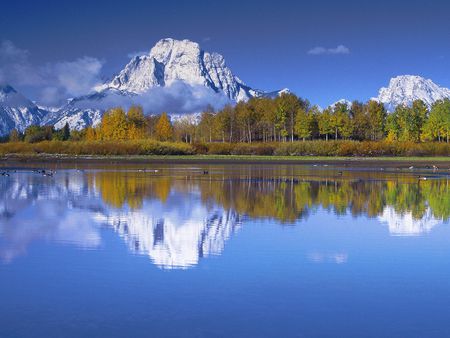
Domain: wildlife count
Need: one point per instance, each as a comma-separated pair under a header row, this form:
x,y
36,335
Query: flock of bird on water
x,y
50,173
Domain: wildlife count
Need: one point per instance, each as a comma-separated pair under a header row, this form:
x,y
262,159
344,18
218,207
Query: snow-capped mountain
x,y
173,60
16,111
405,89
169,62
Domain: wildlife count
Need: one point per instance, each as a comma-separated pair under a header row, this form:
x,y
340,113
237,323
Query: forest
x,y
262,126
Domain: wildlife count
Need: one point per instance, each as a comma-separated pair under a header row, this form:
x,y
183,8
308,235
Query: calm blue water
x,y
237,252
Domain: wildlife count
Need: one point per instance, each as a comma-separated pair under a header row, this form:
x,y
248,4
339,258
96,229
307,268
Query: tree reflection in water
x,y
178,218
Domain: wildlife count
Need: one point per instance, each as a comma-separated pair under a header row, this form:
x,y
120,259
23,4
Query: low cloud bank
x,y
177,98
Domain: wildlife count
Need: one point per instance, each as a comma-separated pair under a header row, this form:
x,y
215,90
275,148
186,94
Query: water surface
x,y
224,251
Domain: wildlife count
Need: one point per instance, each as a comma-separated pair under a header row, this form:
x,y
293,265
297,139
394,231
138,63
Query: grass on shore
x,y
296,151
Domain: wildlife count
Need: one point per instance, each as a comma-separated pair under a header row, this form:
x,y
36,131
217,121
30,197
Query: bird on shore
x,y
435,167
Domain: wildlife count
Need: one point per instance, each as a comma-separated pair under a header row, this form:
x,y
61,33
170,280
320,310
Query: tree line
x,y
286,118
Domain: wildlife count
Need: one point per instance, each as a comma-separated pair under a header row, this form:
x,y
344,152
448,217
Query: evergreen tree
x,y
66,132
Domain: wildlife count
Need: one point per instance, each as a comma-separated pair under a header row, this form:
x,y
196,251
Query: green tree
x,y
437,125
324,123
35,133
341,121
377,119
288,105
304,124
361,126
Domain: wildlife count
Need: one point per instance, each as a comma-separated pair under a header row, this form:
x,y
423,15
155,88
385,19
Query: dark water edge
x,y
373,163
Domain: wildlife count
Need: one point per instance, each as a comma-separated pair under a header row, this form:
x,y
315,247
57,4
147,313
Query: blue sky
x,y
321,50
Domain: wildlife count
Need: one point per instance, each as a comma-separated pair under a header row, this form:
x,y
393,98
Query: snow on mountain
x,y
341,101
179,66
16,111
180,60
405,89
83,111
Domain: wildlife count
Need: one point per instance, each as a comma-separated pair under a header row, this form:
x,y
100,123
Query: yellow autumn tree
x,y
137,123
90,134
163,128
114,125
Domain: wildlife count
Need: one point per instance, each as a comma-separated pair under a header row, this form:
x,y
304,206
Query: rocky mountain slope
x,y
16,111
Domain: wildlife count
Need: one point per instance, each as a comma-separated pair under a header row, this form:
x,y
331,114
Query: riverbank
x,y
442,162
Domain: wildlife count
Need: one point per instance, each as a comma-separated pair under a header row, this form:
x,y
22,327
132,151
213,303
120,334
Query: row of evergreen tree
x,y
281,119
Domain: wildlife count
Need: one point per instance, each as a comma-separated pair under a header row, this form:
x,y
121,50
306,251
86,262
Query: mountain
x,y
86,110
169,63
16,111
173,60
405,89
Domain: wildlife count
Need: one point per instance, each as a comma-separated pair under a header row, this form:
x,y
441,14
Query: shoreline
x,y
228,159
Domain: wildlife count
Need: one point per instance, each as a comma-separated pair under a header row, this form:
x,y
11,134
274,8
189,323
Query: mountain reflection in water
x,y
178,219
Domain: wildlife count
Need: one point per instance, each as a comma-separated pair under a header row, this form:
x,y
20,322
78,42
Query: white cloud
x,y
15,67
54,81
70,78
319,50
177,98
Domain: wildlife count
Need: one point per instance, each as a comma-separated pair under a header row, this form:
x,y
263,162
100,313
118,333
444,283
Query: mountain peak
x,y
405,89
172,60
